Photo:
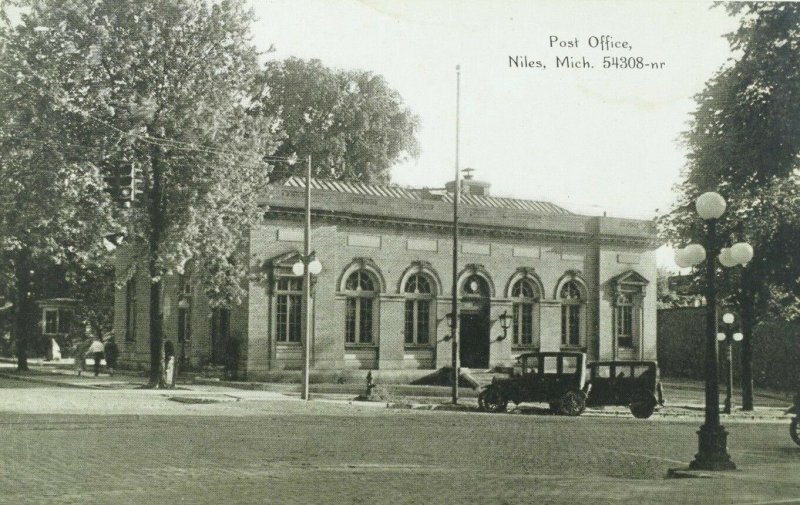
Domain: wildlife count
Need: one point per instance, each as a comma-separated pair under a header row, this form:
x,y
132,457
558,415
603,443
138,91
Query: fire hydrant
x,y
370,384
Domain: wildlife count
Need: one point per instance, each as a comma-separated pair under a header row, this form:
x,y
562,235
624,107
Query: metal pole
x,y
712,437
729,360
454,326
306,302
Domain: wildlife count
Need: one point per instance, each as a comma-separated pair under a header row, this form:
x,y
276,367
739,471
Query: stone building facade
x,y
382,300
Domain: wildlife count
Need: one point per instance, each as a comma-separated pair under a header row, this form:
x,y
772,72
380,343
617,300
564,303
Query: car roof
x,y
623,363
568,354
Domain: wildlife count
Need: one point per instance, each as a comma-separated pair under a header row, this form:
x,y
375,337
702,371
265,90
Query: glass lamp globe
x,y
710,205
727,318
298,268
725,258
695,253
741,252
738,336
681,258
315,267
721,337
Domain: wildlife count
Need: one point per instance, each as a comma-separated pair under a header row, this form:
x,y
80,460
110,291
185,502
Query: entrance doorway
x,y
474,323
474,333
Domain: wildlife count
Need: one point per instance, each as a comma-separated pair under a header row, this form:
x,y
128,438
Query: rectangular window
x,y
571,325
50,321
624,325
64,321
130,310
289,317
365,321
523,323
409,326
184,325
423,321
350,320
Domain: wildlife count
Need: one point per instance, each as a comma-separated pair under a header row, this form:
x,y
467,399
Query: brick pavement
x,y
290,452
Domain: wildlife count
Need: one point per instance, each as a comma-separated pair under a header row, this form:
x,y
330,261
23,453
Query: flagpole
x,y
454,323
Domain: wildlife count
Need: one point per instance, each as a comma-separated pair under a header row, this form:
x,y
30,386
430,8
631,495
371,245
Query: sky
x,y
593,140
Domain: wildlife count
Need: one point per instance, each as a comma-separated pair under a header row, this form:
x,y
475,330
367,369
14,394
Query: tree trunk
x,y
155,212
24,310
746,304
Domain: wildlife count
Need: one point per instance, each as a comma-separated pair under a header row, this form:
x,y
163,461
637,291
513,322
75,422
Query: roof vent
x,y
470,186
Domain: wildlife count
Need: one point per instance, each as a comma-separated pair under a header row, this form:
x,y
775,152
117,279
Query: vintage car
x,y
631,383
556,378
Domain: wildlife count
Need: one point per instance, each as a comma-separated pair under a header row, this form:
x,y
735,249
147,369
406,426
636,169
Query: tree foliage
x,y
354,126
163,87
743,142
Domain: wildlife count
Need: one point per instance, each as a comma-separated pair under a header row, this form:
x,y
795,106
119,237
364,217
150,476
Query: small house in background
x,y
57,323
531,276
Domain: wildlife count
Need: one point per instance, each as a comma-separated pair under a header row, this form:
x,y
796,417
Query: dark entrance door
x,y
474,333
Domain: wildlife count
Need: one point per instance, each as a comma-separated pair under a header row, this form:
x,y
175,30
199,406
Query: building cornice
x,y
466,229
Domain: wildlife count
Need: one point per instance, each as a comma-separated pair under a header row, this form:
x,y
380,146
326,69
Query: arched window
x,y
623,316
360,292
573,308
288,297
419,300
525,295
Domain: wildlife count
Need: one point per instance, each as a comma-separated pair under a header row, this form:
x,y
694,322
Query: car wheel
x,y
643,405
793,431
572,403
492,400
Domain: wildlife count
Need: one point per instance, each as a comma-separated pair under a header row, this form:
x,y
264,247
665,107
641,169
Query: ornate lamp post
x,y
713,439
728,337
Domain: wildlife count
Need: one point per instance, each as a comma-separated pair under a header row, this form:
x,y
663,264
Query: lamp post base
x,y
713,450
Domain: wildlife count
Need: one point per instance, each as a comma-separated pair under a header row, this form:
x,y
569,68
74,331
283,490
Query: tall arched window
x,y
360,292
525,295
419,300
573,307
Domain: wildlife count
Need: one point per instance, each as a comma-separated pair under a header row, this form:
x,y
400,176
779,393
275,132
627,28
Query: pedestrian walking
x,y
97,350
80,352
111,352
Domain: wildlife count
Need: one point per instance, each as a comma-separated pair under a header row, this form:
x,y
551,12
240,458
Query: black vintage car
x,y
556,378
631,383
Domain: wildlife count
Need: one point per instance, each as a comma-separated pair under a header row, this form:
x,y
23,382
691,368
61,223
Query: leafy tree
x,y
163,88
743,142
351,122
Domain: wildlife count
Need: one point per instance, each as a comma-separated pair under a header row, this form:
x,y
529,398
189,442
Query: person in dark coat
x,y
112,353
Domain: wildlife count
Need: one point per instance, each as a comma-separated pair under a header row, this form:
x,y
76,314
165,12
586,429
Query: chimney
x,y
469,185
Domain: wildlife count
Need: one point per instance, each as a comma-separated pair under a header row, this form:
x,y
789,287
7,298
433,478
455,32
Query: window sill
x,y
288,344
523,347
418,346
357,345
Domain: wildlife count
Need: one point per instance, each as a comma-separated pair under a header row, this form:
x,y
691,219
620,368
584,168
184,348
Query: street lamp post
x,y
712,437
728,337
307,266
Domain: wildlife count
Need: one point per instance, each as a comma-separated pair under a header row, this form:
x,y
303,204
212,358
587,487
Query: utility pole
x,y
306,303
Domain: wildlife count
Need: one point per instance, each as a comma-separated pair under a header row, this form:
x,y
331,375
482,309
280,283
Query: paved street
x,y
62,445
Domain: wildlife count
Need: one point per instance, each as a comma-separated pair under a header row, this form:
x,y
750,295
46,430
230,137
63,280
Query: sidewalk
x,y
684,399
